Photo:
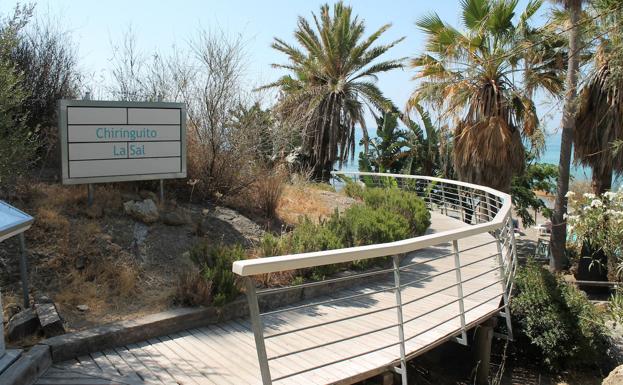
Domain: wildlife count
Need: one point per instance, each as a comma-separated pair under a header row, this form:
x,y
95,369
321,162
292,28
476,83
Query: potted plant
x,y
596,231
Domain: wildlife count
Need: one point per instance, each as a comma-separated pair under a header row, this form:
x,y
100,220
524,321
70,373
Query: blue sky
x,y
159,25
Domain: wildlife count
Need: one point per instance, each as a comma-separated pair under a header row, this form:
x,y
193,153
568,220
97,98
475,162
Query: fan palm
x,y
600,116
475,77
332,75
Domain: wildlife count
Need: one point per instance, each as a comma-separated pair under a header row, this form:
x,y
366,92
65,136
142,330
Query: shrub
x,y
192,289
268,189
354,189
404,203
558,321
365,225
308,236
215,262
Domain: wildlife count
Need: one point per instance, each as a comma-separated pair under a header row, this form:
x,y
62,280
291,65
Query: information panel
x,y
121,141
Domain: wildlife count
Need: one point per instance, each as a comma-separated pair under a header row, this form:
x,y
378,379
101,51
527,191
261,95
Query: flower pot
x,y
592,266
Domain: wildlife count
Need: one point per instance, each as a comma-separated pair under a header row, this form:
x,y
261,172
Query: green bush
x,y
215,262
271,245
404,203
308,237
386,215
354,189
561,325
365,225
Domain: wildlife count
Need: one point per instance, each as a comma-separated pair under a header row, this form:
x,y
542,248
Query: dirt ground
x,y
121,268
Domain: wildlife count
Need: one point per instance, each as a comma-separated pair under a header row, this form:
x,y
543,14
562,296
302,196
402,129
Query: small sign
x,y
121,141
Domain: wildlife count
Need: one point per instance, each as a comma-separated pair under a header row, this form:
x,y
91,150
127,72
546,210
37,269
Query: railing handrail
x,y
274,264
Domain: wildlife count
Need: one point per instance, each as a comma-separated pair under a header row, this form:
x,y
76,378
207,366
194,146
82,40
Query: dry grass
x,y
302,200
192,289
268,189
82,266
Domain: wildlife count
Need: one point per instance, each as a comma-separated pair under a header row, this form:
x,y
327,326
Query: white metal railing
x,y
482,209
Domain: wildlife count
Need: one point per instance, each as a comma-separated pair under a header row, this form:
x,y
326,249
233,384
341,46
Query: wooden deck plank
x,y
224,354
143,371
217,364
245,365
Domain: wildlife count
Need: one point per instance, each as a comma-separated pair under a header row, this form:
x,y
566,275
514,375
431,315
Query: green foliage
x,y
615,307
385,215
404,203
561,325
366,225
331,78
354,189
17,141
465,72
309,236
536,176
215,262
425,151
386,152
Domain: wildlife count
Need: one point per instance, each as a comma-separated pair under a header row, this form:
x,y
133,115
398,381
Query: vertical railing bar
x,y
443,199
258,331
506,275
401,334
459,280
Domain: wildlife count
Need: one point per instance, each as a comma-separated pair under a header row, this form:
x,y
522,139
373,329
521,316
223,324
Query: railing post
x,y
459,286
429,190
401,333
443,198
258,331
505,294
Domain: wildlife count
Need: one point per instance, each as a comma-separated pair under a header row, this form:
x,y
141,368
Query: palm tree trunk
x,y
559,226
602,180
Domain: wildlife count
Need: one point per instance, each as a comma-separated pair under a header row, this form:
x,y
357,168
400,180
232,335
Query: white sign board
x,y
121,141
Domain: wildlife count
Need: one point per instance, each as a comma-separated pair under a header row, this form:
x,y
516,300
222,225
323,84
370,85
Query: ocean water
x,y
551,154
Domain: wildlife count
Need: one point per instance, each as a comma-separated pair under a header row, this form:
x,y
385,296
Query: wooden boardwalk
x,y
225,353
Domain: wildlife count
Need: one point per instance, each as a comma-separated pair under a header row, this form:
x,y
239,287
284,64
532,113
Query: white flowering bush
x,y
598,222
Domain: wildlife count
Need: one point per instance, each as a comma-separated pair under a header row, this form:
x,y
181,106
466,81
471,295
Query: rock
x,y
175,217
615,377
49,319
145,211
146,194
43,299
83,308
23,324
138,241
80,262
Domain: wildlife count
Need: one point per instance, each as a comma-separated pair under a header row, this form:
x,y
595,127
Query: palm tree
x,y
424,155
600,116
331,78
385,152
559,225
474,76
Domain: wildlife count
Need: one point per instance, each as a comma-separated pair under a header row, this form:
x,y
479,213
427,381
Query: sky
x,y
96,26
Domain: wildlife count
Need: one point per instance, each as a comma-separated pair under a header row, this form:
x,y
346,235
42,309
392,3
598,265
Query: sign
x,y
121,141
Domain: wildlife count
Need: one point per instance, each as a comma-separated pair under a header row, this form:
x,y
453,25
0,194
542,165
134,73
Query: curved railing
x,y
476,213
